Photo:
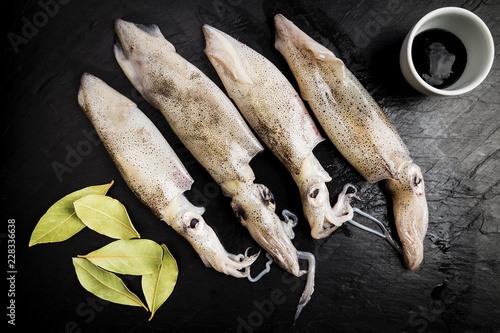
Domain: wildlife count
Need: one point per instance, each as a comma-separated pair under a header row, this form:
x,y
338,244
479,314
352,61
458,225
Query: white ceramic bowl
x,y
473,33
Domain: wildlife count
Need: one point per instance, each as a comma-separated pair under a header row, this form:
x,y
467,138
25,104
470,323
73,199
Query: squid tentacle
x,y
264,271
291,221
385,234
309,288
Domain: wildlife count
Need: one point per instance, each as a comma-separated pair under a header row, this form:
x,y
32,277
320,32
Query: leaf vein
x,y
57,226
113,289
111,217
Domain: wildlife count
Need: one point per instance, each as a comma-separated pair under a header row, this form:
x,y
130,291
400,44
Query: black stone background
x,y
361,284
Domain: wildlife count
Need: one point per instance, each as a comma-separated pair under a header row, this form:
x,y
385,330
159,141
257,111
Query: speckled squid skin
x,y
359,129
276,112
153,171
265,98
135,145
221,141
209,125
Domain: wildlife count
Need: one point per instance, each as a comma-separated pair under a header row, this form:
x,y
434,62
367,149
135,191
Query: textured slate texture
x,y
361,284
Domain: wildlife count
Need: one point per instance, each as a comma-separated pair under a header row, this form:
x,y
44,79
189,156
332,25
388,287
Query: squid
x,y
360,130
153,171
212,129
270,104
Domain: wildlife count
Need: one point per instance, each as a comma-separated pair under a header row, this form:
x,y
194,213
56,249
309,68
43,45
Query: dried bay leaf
x,y
103,284
106,216
60,221
133,256
158,285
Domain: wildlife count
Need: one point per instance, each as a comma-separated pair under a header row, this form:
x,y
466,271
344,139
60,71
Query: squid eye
x,y
193,223
317,195
240,213
416,181
267,196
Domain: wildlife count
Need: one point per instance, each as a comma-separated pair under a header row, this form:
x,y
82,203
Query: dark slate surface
x,y
361,285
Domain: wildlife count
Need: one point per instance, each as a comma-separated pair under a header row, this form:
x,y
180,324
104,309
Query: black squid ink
x,y
439,57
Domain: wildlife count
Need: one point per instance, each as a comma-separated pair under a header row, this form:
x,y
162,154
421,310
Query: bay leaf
x,y
60,221
103,284
133,256
158,285
106,216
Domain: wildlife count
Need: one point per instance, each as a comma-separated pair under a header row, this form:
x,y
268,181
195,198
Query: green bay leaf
x,y
60,221
133,256
103,284
158,285
106,216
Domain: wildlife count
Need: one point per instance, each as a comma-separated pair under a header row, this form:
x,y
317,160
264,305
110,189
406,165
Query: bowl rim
x,y
486,68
